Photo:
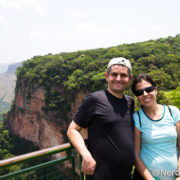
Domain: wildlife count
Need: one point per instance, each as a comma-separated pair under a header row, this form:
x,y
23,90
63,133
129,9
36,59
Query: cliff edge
x,y
28,120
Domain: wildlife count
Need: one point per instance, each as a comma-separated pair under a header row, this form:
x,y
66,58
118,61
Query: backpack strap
x,y
170,111
139,118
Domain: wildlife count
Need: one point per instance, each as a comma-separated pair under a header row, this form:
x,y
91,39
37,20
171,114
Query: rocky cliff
x,y
28,120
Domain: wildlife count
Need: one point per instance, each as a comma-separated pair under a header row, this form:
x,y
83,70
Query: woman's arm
x,y
138,162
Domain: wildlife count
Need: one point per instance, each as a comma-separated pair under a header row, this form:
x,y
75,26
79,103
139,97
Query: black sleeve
x,y
84,113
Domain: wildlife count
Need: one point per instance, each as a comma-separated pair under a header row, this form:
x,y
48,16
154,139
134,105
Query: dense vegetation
x,y
174,97
6,146
84,70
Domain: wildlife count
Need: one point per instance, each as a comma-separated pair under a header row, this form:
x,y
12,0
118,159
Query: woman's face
x,y
148,97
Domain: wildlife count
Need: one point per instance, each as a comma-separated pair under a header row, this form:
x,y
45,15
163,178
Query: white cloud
x,y
156,28
75,14
16,3
131,30
2,20
92,28
38,34
19,4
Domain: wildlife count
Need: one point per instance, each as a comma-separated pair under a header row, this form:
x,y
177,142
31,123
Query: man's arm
x,y
88,162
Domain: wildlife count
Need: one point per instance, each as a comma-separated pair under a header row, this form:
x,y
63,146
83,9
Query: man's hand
x,y
88,164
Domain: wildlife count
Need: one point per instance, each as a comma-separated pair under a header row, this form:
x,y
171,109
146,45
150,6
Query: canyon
x,y
27,120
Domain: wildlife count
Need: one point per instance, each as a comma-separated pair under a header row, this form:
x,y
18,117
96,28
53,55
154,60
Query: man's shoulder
x,y
95,95
98,95
129,98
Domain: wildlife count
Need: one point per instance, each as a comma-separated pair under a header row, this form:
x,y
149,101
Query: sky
x,y
37,27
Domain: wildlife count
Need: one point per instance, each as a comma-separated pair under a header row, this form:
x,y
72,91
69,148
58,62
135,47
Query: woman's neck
x,y
155,112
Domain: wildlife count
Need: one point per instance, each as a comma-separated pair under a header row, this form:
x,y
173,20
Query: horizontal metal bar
x,y
33,168
35,155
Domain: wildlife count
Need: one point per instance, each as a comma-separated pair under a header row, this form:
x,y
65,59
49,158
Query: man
x,y
108,116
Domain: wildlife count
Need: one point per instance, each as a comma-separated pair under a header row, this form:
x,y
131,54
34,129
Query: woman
x,y
156,133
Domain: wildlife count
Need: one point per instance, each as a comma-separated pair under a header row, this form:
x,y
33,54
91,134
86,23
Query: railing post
x,y
79,164
72,160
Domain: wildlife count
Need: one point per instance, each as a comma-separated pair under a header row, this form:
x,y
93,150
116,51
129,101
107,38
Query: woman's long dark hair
x,y
139,78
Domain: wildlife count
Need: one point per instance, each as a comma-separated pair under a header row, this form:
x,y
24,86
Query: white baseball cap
x,y
120,61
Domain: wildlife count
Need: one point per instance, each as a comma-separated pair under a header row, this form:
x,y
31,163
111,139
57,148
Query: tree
x,y
175,97
162,79
6,146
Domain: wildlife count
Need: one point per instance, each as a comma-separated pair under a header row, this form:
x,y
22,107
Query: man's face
x,y
118,79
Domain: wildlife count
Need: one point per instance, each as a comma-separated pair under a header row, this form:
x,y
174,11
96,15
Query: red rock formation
x,y
27,119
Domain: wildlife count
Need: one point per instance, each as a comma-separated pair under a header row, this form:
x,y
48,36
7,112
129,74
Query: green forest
x,y
84,71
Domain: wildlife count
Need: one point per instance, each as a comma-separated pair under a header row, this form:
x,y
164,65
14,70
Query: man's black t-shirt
x,y
110,133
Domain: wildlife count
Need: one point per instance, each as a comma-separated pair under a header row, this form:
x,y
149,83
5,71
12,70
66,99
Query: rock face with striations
x,y
27,119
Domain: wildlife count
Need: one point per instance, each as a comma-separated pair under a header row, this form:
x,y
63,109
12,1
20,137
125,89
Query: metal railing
x,y
59,162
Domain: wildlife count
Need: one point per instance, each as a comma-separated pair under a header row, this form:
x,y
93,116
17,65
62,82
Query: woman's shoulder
x,y
175,112
173,109
137,113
